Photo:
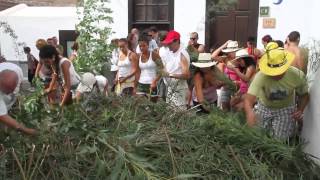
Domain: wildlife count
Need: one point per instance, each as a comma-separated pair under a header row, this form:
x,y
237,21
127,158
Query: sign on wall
x,y
269,23
264,11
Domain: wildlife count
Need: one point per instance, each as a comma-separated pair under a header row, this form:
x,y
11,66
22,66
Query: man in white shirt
x,y
9,85
177,67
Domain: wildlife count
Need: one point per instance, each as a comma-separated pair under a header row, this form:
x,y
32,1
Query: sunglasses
x,y
193,38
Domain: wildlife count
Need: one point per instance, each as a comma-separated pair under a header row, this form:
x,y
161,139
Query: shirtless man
x,y
292,46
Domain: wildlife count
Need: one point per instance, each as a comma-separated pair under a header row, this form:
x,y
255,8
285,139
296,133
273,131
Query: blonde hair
x,y
40,43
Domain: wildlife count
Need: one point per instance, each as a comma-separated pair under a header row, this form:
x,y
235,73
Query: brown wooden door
x,y
66,39
236,24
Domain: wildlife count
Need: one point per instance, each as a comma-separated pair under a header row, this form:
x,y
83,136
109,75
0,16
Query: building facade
x,y
5,4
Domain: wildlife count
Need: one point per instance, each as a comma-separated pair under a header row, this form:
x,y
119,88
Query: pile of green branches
x,y
117,138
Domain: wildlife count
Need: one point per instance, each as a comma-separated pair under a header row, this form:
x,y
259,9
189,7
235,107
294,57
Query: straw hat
x,y
204,61
275,61
87,82
232,46
242,53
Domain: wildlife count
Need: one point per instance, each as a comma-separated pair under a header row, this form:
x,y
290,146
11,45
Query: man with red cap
x,y
177,67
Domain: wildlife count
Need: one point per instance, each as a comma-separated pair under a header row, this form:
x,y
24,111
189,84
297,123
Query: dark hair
x,y
129,41
75,46
113,41
280,43
48,51
2,59
26,49
294,36
195,34
125,40
248,61
267,38
144,37
251,39
153,29
198,70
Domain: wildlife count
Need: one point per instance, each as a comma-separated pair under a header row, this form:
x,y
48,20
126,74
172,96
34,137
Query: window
x,y
145,13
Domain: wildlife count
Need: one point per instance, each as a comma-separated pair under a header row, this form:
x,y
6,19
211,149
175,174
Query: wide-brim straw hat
x,y
275,61
232,46
204,61
242,53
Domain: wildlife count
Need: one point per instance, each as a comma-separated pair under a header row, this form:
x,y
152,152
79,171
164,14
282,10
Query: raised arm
x,y
216,53
248,75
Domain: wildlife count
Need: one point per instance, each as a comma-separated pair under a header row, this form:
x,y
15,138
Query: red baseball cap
x,y
171,36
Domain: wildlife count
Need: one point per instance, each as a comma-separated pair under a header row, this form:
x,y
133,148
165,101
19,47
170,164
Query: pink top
x,y
231,74
244,86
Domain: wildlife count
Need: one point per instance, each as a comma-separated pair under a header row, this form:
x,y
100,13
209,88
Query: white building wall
x,y
189,16
292,15
120,18
311,125
30,27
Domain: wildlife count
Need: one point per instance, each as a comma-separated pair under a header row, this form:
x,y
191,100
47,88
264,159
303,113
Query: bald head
x,y
8,81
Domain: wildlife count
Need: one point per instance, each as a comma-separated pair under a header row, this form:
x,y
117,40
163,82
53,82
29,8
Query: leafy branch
x,y
18,46
94,31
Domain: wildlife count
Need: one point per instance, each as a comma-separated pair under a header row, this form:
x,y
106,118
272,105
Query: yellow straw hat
x,y
275,61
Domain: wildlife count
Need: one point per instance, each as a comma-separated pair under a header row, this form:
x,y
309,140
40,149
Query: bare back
x,y
298,61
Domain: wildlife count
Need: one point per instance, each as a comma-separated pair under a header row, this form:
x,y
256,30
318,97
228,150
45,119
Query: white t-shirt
x,y
163,53
173,61
102,82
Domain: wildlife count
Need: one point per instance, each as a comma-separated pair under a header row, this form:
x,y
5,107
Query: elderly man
x,y
274,89
177,66
10,79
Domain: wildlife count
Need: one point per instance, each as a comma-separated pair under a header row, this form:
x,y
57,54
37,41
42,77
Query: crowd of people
x,y
268,84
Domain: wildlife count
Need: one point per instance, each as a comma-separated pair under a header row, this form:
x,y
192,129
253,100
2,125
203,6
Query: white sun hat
x,y
242,53
87,82
232,46
204,61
